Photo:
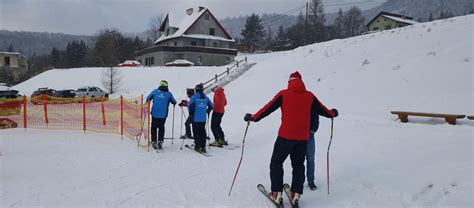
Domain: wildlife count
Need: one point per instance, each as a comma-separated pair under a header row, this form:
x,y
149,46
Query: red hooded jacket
x,y
296,104
219,100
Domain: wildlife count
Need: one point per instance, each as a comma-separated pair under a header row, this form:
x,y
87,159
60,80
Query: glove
x,y
336,113
248,117
208,111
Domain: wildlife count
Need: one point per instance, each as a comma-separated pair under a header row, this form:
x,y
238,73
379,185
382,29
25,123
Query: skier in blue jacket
x,y
199,106
161,99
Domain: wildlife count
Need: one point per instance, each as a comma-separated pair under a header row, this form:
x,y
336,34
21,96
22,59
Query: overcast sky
x,y
86,17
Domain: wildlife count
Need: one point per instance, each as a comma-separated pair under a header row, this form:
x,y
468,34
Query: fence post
x,y
246,59
215,77
84,114
45,109
104,122
237,63
148,131
24,112
227,70
121,116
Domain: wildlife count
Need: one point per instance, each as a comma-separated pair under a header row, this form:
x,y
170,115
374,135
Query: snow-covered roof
x,y
183,22
12,53
398,19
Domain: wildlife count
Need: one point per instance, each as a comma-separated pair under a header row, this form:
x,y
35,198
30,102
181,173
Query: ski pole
x,y
241,156
181,129
172,128
327,154
182,111
208,133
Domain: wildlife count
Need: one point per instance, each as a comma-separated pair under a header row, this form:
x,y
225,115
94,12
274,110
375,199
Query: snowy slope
x,y
375,160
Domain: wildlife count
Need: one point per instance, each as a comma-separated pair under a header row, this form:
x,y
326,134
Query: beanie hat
x,y
199,88
295,75
164,83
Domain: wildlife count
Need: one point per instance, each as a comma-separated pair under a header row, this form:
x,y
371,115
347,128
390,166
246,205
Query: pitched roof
x,y
184,22
394,17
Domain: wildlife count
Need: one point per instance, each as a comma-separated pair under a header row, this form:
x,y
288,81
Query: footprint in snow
x,y
421,193
432,53
366,62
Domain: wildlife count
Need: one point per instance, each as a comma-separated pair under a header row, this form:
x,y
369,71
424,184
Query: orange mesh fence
x,y
126,117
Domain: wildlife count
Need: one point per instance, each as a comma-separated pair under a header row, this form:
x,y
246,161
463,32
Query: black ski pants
x,y
199,131
157,123
187,124
297,151
216,126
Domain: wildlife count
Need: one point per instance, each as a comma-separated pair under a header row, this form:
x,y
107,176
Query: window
x,y
378,20
92,89
193,43
206,16
199,60
227,59
175,44
376,28
212,31
167,32
388,27
214,44
7,60
152,61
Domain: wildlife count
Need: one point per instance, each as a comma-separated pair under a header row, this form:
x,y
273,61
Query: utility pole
x,y
306,25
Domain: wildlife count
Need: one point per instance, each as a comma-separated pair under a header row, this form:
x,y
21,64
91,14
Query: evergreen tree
x,y
280,39
269,41
317,18
10,48
55,58
107,51
253,33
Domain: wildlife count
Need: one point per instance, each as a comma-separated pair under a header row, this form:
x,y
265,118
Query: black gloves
x,y
183,103
248,117
336,113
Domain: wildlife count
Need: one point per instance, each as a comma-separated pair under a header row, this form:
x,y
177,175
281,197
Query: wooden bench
x,y
470,117
450,118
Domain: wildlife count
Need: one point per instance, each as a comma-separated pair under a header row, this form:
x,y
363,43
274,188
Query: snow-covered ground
x,y
376,161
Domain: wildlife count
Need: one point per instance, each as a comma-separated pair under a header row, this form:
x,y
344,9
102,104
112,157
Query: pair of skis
x,y
286,189
202,153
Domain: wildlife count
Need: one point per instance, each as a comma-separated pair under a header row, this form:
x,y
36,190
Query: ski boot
x,y
216,143
276,196
312,186
153,144
295,197
160,144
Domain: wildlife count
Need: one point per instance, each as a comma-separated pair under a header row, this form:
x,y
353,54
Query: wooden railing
x,y
226,72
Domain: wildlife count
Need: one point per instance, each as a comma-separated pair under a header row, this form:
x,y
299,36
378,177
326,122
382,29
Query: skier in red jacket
x,y
296,105
219,104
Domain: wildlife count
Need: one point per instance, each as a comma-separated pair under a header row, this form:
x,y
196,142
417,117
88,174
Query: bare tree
x,y
111,79
154,24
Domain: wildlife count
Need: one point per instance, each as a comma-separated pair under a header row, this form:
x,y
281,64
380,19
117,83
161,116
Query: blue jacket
x,y
199,105
161,100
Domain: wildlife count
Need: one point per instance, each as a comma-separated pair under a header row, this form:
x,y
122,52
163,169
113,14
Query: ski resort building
x,y
387,21
195,36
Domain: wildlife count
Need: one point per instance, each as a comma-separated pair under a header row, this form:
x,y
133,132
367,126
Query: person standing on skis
x,y
199,106
219,104
310,148
161,99
296,105
189,120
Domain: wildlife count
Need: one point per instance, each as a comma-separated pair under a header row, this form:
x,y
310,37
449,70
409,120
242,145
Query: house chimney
x,y
201,8
189,11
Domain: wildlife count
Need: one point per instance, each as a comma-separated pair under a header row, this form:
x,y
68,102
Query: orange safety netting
x,y
126,117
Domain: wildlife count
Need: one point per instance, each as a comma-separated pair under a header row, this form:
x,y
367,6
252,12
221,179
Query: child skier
x,y
219,104
198,106
189,120
296,105
161,99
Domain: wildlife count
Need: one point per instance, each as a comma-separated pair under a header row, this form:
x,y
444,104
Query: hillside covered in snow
x,y
376,161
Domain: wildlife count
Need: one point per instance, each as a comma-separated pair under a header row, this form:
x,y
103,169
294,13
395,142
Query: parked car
x,y
10,102
129,63
37,96
65,94
91,92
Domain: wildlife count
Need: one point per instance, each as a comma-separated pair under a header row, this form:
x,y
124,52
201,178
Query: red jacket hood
x,y
296,85
219,90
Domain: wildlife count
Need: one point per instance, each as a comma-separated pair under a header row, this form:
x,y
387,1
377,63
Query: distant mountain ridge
x,y
40,43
